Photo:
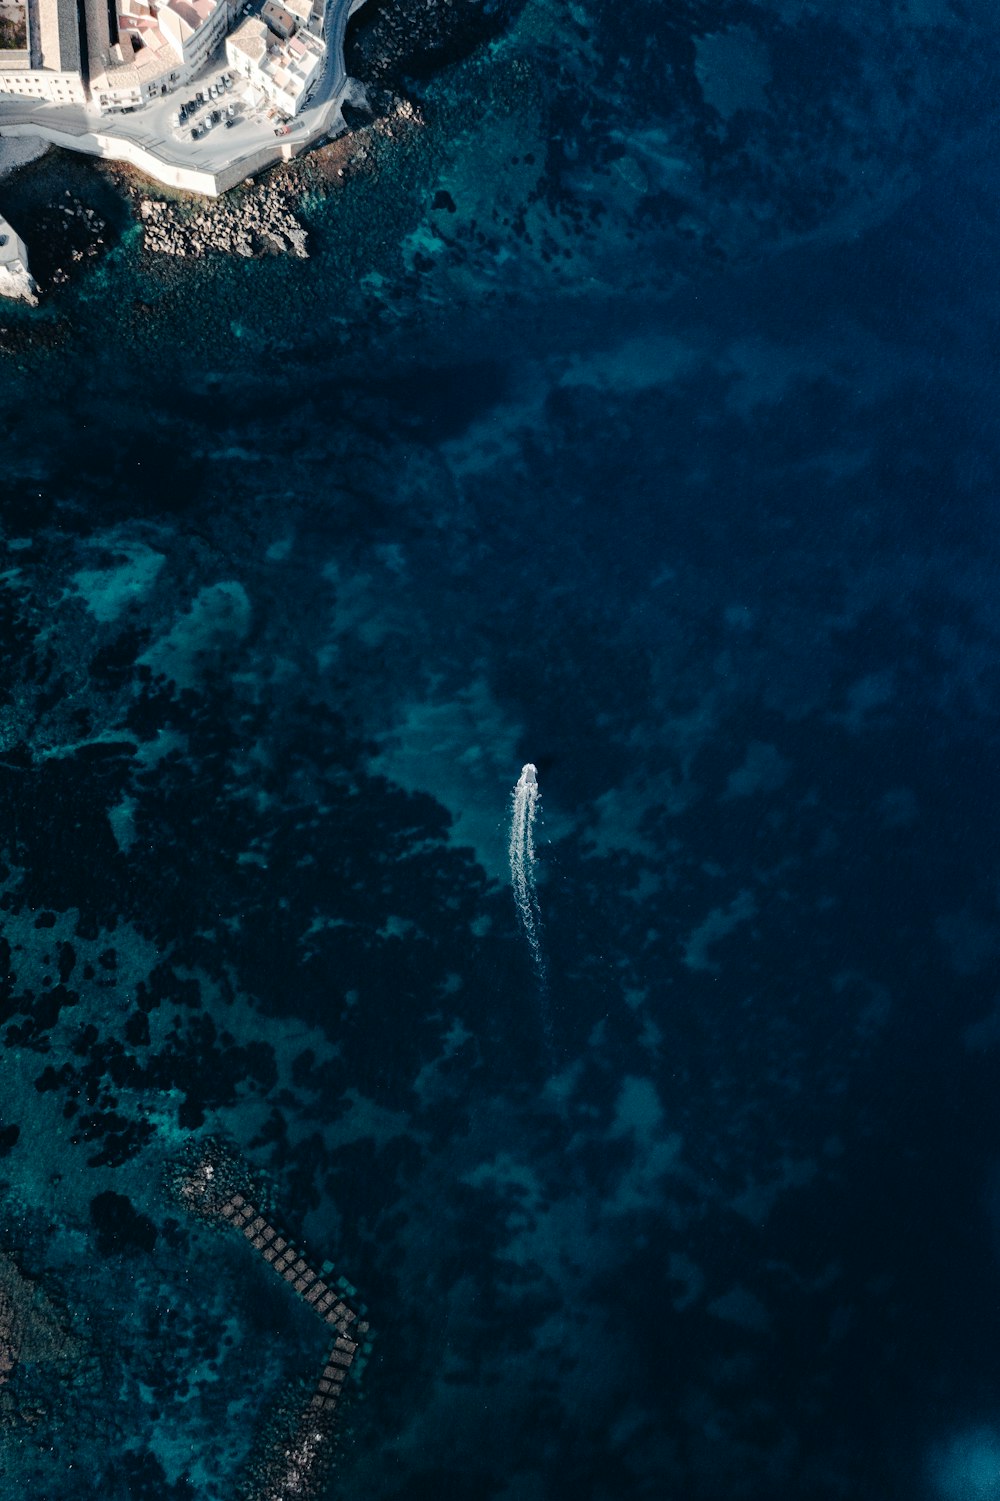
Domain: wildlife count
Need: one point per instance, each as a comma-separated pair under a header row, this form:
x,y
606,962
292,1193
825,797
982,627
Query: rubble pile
x,y
256,222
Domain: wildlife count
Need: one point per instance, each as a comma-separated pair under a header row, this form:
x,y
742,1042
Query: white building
x,y
309,14
18,77
283,68
291,69
246,49
161,44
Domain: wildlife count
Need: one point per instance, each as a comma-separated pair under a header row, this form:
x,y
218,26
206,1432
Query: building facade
x,y
19,78
16,279
282,59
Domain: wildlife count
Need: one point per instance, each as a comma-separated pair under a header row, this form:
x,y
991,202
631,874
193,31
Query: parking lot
x,y
221,101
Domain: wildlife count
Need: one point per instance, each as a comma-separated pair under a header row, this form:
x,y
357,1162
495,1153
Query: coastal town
x,y
196,94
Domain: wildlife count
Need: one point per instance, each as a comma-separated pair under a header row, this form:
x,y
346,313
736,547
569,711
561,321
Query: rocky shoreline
x,y
260,218
389,46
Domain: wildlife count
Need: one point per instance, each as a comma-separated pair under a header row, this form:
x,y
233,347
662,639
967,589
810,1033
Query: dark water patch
x,y
120,1229
390,44
48,201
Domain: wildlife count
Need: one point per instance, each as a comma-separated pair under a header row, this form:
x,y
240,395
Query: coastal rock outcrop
x,y
19,285
16,280
396,42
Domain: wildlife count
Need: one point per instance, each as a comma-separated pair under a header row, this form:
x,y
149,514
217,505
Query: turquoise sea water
x,y
634,417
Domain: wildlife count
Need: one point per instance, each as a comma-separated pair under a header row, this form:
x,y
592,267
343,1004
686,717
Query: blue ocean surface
x,y
635,418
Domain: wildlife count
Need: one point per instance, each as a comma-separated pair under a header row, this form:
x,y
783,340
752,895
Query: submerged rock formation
x,y
74,232
32,1329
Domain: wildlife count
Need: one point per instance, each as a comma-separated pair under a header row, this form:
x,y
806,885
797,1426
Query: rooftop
x,y
250,39
193,12
59,36
130,65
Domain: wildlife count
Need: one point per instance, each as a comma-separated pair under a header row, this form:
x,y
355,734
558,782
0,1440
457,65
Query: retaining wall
x,y
193,179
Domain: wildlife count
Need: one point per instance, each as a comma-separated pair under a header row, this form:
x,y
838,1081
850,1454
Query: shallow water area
x,y
598,435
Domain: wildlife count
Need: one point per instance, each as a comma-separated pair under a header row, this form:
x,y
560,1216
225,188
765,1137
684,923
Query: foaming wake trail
x,y
524,806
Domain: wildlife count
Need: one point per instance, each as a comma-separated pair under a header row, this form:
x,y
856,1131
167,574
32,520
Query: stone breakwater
x,y
259,222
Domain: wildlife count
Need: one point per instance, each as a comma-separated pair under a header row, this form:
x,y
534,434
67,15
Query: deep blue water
x,y
636,417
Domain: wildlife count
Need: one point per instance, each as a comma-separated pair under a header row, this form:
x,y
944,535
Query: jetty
x,y
296,1465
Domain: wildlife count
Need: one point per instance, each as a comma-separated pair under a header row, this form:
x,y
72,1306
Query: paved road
x,y
220,149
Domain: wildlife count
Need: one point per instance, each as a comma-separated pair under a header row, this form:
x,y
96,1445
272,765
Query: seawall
x,y
172,175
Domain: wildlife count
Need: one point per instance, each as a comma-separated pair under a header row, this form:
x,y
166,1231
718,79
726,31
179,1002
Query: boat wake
x,y
524,807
